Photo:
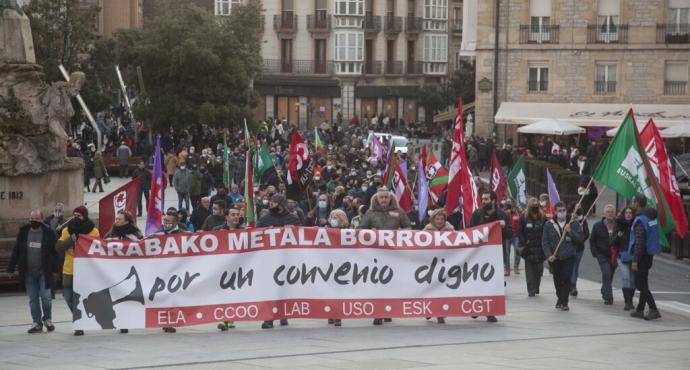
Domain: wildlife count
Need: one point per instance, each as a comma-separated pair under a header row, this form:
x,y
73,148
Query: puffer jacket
x,y
385,218
530,234
569,246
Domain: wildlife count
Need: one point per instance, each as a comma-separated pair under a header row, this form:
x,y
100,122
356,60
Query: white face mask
x,y
183,167
264,201
542,203
322,204
561,216
333,222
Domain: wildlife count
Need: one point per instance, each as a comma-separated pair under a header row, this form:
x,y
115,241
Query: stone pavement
x,y
533,335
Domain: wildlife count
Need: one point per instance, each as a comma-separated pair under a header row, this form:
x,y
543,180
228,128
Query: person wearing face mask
x,y
545,205
513,214
144,176
560,230
35,258
56,218
170,227
232,222
600,246
80,224
278,216
490,212
375,185
623,259
200,213
438,221
579,246
530,232
217,216
318,216
337,219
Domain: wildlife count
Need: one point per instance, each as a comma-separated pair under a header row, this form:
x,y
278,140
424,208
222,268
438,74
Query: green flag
x,y
517,183
318,145
226,160
625,168
262,162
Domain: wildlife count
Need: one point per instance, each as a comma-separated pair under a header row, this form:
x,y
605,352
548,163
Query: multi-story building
x,y
584,61
115,15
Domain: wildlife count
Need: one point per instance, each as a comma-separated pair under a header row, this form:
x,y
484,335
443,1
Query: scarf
x,y
77,226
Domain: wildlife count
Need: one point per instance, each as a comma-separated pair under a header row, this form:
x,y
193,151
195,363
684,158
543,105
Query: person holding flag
x,y
644,244
154,217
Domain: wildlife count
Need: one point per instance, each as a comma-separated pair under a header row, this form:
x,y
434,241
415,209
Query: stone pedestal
x,y
16,44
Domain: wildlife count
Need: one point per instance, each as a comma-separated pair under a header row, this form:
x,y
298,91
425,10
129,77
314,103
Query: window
x,y
605,82
224,7
607,20
436,9
676,78
435,53
538,77
286,55
678,16
349,7
349,52
540,21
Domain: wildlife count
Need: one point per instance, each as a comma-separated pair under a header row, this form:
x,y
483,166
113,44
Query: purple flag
x,y
403,166
154,218
376,147
422,191
551,186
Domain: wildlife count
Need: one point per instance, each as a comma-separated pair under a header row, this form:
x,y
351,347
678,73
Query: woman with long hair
x,y
620,239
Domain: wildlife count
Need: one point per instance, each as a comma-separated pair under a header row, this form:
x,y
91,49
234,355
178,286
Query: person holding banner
x,y
439,222
80,224
337,219
559,243
579,246
232,222
623,259
530,232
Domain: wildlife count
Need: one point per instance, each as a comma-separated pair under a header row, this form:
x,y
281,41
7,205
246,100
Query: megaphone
x,y
99,305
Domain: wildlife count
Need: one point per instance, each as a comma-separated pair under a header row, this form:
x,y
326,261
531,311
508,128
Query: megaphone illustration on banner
x,y
100,305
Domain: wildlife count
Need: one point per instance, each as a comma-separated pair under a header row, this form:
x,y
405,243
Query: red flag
x,y
661,165
401,190
299,157
123,198
498,181
460,182
423,156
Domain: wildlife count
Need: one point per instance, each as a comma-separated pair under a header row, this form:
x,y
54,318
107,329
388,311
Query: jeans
x,y
39,296
533,274
562,271
514,242
576,268
68,294
606,277
642,281
143,193
182,197
627,278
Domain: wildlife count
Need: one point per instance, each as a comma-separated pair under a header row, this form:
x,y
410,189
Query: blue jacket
x,y
552,235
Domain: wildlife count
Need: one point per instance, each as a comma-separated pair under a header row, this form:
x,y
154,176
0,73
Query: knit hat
x,y
280,200
82,211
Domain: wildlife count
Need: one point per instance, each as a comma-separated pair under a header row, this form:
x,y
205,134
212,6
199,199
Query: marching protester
x,y
491,213
438,221
181,184
144,176
337,219
217,216
643,244
513,214
384,214
80,224
545,204
171,226
530,234
579,246
232,222
278,215
600,246
562,234
200,213
35,258
56,218
620,242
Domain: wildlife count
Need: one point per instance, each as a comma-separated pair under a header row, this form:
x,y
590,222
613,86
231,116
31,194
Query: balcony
x,y
604,87
296,67
414,68
372,24
392,25
546,34
413,25
673,33
373,67
537,87
394,68
285,23
456,26
676,88
599,34
318,23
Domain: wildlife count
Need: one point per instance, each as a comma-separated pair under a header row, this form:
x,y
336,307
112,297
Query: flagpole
x,y
579,202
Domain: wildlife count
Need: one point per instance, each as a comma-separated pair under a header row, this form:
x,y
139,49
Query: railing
x,y
372,23
601,34
373,67
394,68
299,67
546,34
456,25
413,24
537,87
414,68
285,23
318,23
675,87
604,87
392,24
673,33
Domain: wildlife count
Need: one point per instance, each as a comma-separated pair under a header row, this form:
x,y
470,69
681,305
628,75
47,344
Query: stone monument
x,y
34,171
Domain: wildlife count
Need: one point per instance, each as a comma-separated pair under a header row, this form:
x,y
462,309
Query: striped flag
x,y
553,192
249,215
154,219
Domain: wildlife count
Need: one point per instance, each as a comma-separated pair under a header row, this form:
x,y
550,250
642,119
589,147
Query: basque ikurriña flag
x,y
154,219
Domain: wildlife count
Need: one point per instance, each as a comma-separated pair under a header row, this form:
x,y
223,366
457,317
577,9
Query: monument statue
x,y
33,114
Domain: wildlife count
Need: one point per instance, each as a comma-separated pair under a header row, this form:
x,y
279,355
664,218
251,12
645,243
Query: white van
x,y
399,142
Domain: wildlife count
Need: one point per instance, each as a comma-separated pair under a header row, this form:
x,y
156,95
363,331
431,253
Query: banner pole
x,y
591,180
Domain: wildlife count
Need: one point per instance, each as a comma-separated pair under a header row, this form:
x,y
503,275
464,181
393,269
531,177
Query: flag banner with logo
x,y
497,181
289,272
123,198
517,183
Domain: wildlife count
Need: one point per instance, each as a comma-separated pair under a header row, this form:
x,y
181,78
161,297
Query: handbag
x,y
106,179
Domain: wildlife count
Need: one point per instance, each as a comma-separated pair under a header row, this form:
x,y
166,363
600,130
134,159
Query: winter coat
x,y
198,217
278,219
145,178
385,218
212,221
195,178
49,256
66,245
99,170
530,234
181,180
123,155
170,164
600,242
621,236
480,217
552,235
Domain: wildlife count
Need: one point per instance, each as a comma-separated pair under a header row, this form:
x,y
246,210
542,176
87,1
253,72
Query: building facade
x,y
593,52
116,15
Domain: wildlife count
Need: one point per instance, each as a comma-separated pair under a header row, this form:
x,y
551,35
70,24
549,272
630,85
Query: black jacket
x,y
480,217
600,242
530,233
145,175
199,216
279,219
49,256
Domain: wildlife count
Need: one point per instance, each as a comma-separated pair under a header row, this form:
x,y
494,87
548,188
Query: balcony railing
x,y
604,87
413,24
456,26
285,22
546,34
392,24
599,34
373,67
673,33
675,87
372,23
298,67
414,68
318,23
537,87
394,67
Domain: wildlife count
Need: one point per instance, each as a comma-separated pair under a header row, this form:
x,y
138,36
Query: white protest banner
x,y
289,272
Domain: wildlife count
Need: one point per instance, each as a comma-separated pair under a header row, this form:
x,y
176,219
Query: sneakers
x,y
378,321
170,330
608,302
652,315
387,319
337,322
565,308
491,319
267,325
78,333
49,325
225,325
441,320
573,292
637,314
36,328
506,272
124,331
283,322
516,271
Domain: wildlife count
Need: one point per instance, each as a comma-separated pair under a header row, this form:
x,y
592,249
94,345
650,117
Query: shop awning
x,y
591,115
450,114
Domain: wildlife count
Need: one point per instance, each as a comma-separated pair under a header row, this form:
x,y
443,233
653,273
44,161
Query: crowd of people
x,y
346,191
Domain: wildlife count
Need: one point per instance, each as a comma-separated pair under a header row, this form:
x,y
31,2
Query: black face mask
x,y
488,207
534,209
275,209
35,224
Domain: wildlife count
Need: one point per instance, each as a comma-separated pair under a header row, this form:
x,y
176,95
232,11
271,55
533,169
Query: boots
x,y
628,294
